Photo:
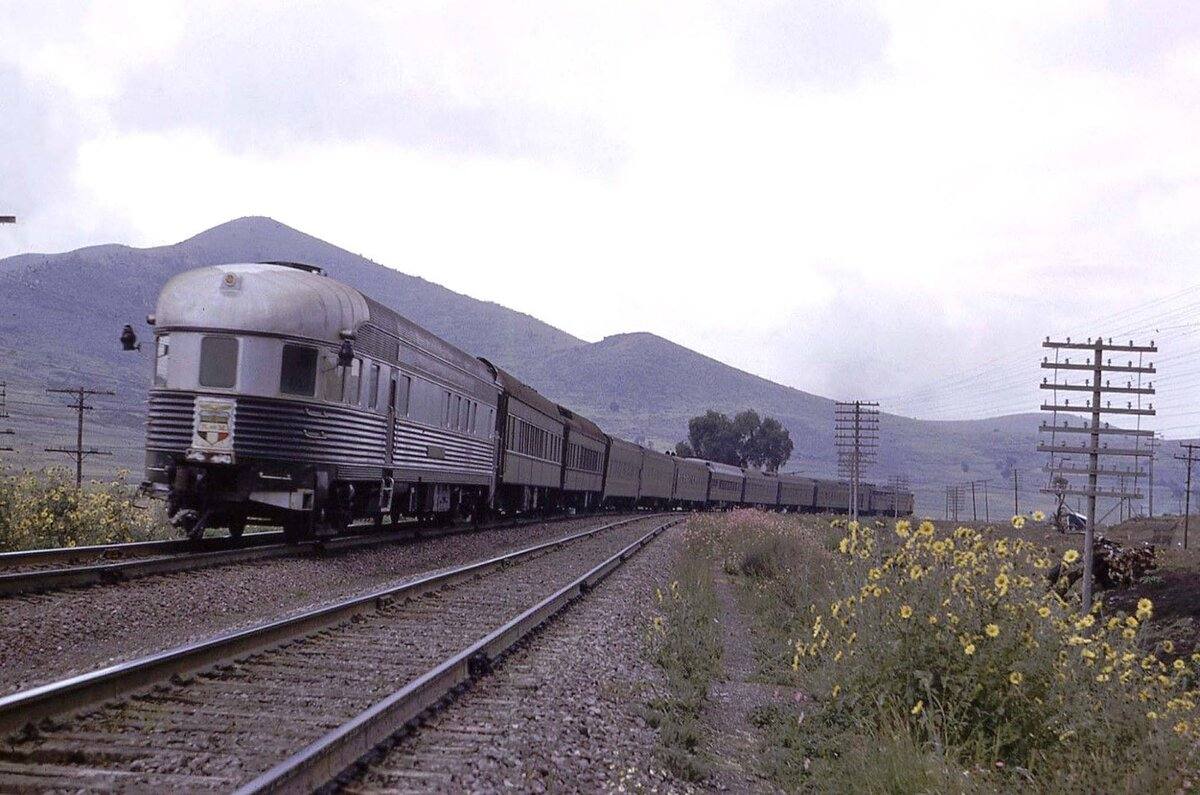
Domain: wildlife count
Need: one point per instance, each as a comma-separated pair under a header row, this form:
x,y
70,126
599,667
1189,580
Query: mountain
x,y
60,315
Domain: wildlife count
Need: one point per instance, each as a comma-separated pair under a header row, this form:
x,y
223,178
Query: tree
x,y
713,436
744,440
769,446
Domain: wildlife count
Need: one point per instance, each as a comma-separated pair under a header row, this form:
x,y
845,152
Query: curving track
x,y
233,711
41,570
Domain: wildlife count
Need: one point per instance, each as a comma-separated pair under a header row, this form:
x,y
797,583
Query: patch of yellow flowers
x,y
46,510
998,651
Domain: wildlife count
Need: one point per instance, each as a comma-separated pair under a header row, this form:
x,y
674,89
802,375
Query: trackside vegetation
x,y
689,656
942,660
44,509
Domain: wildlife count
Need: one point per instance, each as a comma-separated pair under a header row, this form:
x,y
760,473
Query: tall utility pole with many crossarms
x,y
856,433
1098,364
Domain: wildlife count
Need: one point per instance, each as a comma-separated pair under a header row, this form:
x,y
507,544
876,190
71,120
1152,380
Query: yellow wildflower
x,y
1070,556
1015,678
1044,611
905,611
969,649
1018,522
991,630
918,707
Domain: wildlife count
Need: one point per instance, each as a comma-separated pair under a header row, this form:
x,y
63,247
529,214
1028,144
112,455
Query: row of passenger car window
x,y
580,457
528,439
306,371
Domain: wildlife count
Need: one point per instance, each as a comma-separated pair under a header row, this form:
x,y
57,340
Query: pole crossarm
x,y
1082,449
1101,430
1084,492
1123,390
1091,345
1104,368
1087,409
1115,473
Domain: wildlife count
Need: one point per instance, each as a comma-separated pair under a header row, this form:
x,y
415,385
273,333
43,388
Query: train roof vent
x,y
300,266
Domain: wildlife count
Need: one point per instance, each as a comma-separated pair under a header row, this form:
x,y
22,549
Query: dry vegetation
x,y
927,659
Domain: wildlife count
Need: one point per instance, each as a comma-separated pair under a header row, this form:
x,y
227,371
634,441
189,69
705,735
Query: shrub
x,y
46,510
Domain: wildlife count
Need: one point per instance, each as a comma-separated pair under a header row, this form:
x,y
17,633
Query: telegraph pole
x,y
856,434
1016,499
80,407
1154,442
1097,366
4,415
1189,457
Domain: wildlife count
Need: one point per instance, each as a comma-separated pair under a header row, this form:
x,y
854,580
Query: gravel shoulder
x,y
563,713
45,637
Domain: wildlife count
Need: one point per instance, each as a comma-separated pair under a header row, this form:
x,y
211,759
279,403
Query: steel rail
x,y
325,759
78,692
52,555
188,559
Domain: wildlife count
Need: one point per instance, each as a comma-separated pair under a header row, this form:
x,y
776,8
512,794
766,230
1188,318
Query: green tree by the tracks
x,y
745,440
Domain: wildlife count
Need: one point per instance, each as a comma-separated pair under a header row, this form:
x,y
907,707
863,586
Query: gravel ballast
x,y
45,637
563,713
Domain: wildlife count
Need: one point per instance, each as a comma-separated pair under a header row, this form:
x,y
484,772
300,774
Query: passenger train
x,y
281,396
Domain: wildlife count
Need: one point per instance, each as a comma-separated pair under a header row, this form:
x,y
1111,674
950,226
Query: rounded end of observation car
x,y
267,297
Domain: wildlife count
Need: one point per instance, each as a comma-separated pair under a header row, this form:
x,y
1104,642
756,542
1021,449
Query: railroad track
x,y
289,705
76,567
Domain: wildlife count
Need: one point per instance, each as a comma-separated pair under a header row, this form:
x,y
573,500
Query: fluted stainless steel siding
x,y
463,453
301,432
169,418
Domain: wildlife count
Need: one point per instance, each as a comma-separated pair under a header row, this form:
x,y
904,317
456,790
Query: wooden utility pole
x,y
1189,457
856,434
80,406
1016,500
4,415
1097,366
1154,442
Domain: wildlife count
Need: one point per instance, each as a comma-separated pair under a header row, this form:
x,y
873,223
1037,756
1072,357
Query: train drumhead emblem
x,y
213,426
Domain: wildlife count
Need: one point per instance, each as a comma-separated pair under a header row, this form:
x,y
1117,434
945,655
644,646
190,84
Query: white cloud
x,y
836,196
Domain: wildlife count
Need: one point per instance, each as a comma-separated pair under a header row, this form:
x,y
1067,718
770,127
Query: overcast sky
x,y
894,200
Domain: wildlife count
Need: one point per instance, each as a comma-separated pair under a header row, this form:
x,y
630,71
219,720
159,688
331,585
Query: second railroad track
x,y
290,705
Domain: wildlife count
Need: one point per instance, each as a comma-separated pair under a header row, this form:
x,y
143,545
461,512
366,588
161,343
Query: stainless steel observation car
x,y
285,396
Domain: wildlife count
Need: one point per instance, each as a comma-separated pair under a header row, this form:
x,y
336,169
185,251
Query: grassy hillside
x,y
62,312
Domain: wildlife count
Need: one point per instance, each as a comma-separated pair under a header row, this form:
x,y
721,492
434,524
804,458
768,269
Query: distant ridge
x,y
61,314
